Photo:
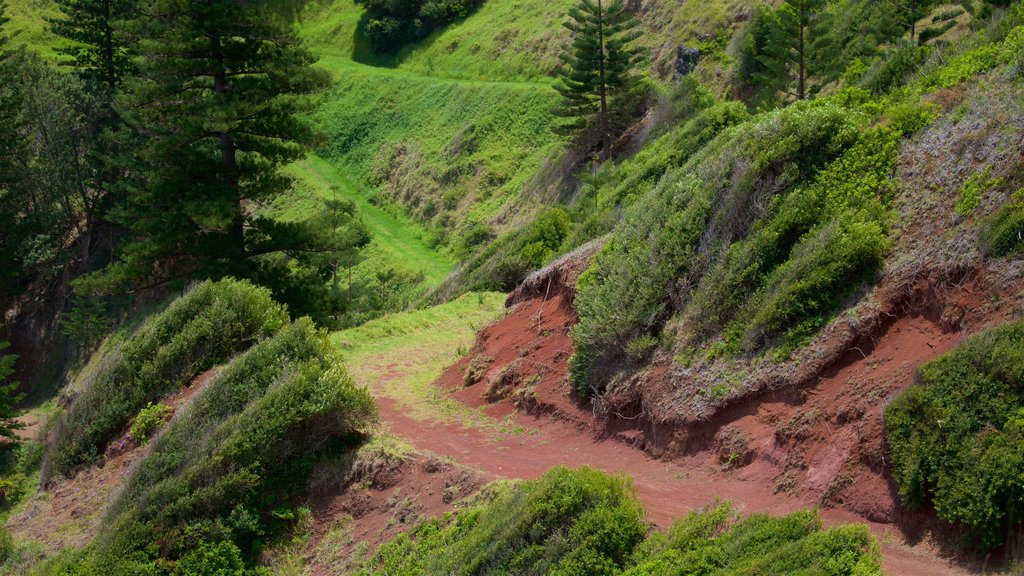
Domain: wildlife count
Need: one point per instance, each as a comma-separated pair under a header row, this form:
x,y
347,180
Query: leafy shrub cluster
x,y
791,249
1002,233
148,420
391,24
216,482
575,522
957,435
197,331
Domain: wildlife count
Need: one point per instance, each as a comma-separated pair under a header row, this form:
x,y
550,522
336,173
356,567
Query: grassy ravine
x,y
397,239
400,356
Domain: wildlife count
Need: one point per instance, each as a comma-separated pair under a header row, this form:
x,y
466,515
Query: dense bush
x,y
957,435
819,242
1002,233
148,420
393,23
673,234
197,331
210,485
583,522
712,543
566,522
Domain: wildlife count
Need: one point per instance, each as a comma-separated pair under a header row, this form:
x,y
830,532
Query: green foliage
x,y
97,46
585,522
215,137
667,232
197,331
148,420
974,188
390,24
957,435
9,396
1002,232
226,467
504,263
598,67
895,68
220,559
788,41
712,542
566,522
964,66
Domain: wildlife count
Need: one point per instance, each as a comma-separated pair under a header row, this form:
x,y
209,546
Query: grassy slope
x,y
400,356
396,239
28,25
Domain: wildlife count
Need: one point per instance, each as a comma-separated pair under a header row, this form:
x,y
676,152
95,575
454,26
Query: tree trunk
x,y
603,86
801,52
108,46
228,152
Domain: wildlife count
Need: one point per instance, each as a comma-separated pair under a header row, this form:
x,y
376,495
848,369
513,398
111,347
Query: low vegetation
x,y
203,328
218,481
585,522
957,436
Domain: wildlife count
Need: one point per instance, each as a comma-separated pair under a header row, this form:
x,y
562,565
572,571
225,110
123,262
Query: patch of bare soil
x,y
68,513
352,519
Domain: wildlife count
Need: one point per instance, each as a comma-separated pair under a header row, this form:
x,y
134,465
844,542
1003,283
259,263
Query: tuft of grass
x,y
1002,232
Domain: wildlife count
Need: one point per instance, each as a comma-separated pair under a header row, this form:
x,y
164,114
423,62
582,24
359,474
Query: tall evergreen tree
x,y
11,150
94,27
597,66
913,11
220,84
787,51
9,398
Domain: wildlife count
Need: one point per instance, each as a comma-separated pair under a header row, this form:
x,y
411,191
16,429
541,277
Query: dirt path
x,y
669,490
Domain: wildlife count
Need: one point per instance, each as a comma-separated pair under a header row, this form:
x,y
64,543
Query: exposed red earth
x,y
819,445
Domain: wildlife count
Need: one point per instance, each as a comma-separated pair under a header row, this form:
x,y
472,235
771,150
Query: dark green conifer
x,y
216,100
98,47
787,50
598,66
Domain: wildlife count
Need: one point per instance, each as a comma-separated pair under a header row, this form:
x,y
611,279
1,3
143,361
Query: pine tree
x,y
9,397
787,52
912,11
12,146
94,27
597,65
216,103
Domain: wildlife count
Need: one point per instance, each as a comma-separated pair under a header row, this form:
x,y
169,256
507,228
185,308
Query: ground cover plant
x,y
582,521
957,435
217,482
199,330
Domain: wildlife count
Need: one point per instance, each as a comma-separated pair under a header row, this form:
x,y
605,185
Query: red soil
x,y
374,509
820,445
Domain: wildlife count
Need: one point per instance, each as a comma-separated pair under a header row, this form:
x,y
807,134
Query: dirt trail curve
x,y
669,489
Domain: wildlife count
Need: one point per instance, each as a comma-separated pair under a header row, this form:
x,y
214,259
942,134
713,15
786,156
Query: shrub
x,y
972,190
220,559
895,68
148,420
712,542
672,232
957,435
238,452
392,23
197,331
1002,232
566,522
